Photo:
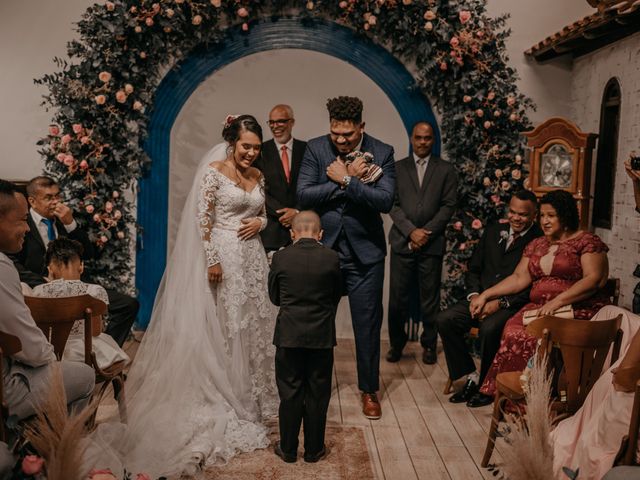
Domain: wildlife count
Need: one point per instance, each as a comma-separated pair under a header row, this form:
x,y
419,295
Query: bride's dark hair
x,y
243,123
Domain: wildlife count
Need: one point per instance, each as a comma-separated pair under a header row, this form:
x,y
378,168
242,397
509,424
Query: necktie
x,y
420,162
513,239
51,233
285,162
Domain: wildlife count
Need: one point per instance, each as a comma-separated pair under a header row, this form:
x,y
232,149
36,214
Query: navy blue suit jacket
x,y
355,209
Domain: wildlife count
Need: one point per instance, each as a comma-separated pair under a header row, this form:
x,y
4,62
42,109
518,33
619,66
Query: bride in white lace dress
x,y
203,378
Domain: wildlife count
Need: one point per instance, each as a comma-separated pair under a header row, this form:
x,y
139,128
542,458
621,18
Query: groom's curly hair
x,y
345,108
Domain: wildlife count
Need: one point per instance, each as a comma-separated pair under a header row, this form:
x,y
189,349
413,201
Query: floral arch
x,y
102,98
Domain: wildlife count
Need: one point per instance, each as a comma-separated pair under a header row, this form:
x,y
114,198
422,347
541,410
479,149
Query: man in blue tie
x,y
48,219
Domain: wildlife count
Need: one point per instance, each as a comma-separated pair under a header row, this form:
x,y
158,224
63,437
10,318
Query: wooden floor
x,y
421,435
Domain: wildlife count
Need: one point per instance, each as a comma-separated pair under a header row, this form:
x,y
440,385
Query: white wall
x,y
591,74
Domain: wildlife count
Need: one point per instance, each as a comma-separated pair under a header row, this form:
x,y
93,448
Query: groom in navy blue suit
x,y
348,178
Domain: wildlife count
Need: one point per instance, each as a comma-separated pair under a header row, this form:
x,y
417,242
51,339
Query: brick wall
x,y
590,76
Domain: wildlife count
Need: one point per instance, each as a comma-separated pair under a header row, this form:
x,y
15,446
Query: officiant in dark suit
x,y
348,178
426,197
280,163
495,257
48,219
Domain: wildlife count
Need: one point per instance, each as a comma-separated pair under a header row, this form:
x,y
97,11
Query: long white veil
x,y
181,397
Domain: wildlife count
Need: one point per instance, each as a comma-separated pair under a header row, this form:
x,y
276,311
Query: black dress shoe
x,y
429,356
313,458
480,400
469,390
287,457
393,355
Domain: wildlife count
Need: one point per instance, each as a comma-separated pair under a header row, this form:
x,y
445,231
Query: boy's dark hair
x,y
345,109
7,196
63,250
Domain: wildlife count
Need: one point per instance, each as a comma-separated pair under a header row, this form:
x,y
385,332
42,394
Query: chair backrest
x,y
584,346
612,290
56,316
9,345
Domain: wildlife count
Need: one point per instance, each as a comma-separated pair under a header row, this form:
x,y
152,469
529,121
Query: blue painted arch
x,y
178,85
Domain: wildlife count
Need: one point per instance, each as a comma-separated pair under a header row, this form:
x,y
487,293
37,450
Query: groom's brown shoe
x,y
371,406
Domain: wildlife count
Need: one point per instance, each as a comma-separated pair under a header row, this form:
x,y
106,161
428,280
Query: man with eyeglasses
x,y
348,178
280,164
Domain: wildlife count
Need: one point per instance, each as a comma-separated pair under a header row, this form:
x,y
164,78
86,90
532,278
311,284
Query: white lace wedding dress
x,y
203,378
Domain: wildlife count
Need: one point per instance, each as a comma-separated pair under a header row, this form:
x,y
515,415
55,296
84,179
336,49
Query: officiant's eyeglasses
x,y
281,121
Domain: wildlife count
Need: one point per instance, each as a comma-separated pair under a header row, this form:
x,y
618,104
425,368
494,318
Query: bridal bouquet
x,y
373,173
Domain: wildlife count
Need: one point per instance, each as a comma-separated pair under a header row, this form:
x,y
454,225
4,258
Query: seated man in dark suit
x,y
305,282
48,219
494,258
279,162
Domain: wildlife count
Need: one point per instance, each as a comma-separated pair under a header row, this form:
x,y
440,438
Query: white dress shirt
x,y
289,146
42,227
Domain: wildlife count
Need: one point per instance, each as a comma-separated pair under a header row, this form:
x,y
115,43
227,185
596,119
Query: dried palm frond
x,y
57,436
528,454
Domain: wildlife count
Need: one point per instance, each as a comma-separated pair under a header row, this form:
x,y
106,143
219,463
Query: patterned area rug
x,y
348,459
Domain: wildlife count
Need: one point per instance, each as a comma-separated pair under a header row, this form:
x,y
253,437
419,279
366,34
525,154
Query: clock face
x,y
556,167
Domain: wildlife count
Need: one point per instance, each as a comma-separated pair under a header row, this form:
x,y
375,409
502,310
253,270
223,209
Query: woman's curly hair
x,y
565,206
345,109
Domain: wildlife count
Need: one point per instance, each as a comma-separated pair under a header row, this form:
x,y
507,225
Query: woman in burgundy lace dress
x,y
565,266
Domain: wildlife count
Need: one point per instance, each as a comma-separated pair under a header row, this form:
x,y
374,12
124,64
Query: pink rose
x,y
372,20
120,235
32,464
496,113
407,2
462,246
140,476
110,6
77,128
498,173
169,12
505,185
121,96
479,34
454,42
54,130
143,55
117,214
245,27
366,26
104,239
429,15
137,29
518,159
457,225
133,9
491,95
242,12
216,3
68,160
513,117
115,194
108,207
137,105
104,77
480,112
476,224
310,5
496,199
464,16
343,4
155,7
516,174
65,139
486,181
443,66
84,140
196,20
60,157
466,99
179,1
97,218
511,100
487,124
84,165
101,99
149,21
89,209
428,26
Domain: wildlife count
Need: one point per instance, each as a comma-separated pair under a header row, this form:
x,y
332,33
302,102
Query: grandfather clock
x,y
561,159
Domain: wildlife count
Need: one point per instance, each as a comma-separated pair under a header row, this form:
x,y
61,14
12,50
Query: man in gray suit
x,y
426,195
26,375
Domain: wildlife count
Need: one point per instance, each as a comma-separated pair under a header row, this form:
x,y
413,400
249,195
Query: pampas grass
x,y
57,436
528,454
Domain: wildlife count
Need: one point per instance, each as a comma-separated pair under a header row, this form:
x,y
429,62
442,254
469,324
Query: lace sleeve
x,y
263,212
206,196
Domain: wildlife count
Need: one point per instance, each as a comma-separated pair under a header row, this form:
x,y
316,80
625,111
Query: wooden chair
x,y
56,316
611,288
9,346
584,346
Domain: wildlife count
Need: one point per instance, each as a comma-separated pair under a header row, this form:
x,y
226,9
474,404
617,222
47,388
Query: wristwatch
x,y
503,303
346,180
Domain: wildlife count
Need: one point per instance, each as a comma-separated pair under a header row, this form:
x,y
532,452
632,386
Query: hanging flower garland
x,y
101,98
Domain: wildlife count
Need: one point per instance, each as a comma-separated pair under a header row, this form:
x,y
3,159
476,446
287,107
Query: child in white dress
x,y
64,261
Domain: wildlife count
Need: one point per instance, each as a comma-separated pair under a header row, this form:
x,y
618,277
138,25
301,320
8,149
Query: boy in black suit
x,y
305,282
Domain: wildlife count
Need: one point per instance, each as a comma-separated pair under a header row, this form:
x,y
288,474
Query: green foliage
x,y
107,84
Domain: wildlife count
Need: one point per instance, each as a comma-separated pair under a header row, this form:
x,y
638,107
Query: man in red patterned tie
x,y
280,163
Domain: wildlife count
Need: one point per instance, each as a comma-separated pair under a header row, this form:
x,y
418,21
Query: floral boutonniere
x,y
504,235
373,173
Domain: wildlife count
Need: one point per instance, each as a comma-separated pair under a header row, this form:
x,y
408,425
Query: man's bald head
x,y
306,224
